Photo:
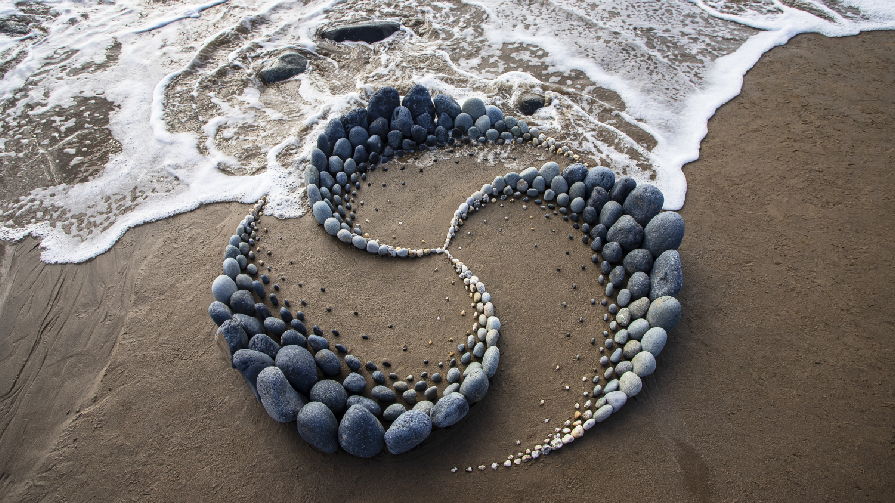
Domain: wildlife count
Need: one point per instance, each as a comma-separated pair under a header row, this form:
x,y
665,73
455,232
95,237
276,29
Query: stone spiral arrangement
x,y
291,371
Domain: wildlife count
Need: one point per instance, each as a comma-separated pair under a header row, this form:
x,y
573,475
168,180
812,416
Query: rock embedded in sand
x,y
318,426
280,400
284,67
360,433
369,32
529,103
264,344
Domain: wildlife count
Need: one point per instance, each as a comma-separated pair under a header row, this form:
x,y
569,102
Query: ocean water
x,y
117,113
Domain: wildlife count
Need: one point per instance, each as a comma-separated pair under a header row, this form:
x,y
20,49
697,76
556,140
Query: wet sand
x,y
776,385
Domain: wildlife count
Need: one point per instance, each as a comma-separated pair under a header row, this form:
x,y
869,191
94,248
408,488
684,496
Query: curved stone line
x,y
279,384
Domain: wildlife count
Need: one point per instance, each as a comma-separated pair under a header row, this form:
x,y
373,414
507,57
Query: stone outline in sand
x,y
620,213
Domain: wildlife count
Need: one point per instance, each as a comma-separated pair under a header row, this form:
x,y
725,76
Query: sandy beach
x,y
776,385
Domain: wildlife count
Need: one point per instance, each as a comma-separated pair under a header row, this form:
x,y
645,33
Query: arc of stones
x,y
624,215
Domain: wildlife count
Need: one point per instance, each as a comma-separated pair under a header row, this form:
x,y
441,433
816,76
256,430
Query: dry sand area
x,y
777,385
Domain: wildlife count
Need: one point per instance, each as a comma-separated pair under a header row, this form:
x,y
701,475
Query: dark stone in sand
x,y
264,344
382,103
599,177
418,101
529,103
445,104
219,312
408,431
318,426
250,324
298,326
574,173
451,408
402,121
281,402
626,232
251,363
328,362
612,252
298,366
334,132
644,202
664,232
234,335
609,214
598,198
331,394
366,403
293,338
360,433
666,277
638,260
353,119
275,326
621,188
369,32
354,383
242,302
286,66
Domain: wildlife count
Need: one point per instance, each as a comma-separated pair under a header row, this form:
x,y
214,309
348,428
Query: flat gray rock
x,y
451,408
369,32
284,67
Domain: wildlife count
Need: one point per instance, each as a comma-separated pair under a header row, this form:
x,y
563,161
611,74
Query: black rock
x,y
317,343
402,121
379,127
264,344
353,119
298,366
612,252
284,67
328,362
262,312
609,214
369,32
293,338
529,103
233,334
445,104
621,188
334,132
617,276
354,383
298,326
382,103
418,133
281,402
574,173
383,394
360,154
352,362
219,312
324,145
242,302
275,326
418,101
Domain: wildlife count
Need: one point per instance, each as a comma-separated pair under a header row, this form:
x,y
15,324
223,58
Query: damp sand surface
x,y
778,372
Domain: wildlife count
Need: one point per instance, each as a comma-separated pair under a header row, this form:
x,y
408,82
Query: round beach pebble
x,y
328,362
664,312
616,399
370,405
318,426
242,302
599,176
626,232
664,232
360,433
298,366
393,411
408,431
331,226
231,267
275,326
219,312
222,288
331,394
610,213
280,400
637,328
490,361
639,285
383,394
293,337
654,340
475,107
354,383
475,386
451,408
264,344
321,211
250,364
644,363
630,384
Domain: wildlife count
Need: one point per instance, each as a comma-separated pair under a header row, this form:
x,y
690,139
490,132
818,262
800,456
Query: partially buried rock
x,y
529,103
393,411
317,425
354,383
284,67
360,433
280,400
369,32
408,431
451,408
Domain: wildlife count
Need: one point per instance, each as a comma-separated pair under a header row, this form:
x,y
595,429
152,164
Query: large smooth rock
x,y
666,277
418,101
222,288
664,232
450,409
622,187
654,340
408,431
491,360
369,32
644,202
360,433
382,103
599,176
280,400
664,312
626,232
475,386
318,426
298,366
331,394
284,67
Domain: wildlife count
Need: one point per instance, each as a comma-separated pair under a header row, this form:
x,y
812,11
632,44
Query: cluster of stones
x,y
291,371
634,242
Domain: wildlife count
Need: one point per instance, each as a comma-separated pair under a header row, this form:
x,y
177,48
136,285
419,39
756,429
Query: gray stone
x,y
483,123
577,205
654,340
425,406
632,347
231,267
393,411
575,173
559,185
328,362
475,107
664,232
616,399
475,386
637,328
453,375
666,277
612,252
644,202
366,403
331,394
623,298
644,363
275,326
562,200
639,307
250,364
264,344
383,394
489,362
626,232
622,187
321,211
638,260
598,197
639,285
409,396
317,425
250,324
408,431
610,213
402,120
281,402
463,122
360,433
219,312
354,383
549,171
222,288
495,115
623,367
401,386
451,388
242,302
623,317
664,312
630,384
418,101
231,334
617,276
603,413
445,104
577,189
449,410
298,366
285,67
599,177
621,337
